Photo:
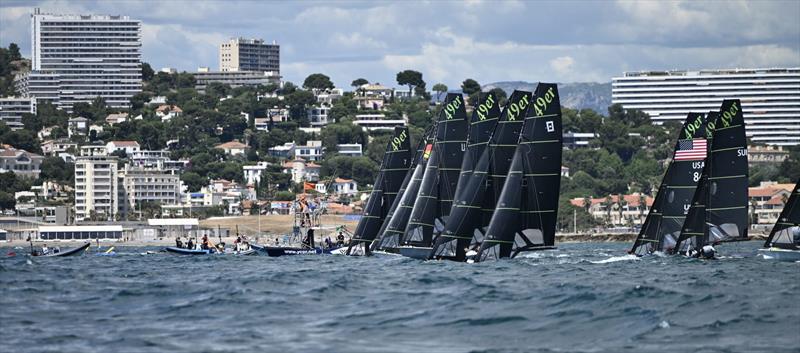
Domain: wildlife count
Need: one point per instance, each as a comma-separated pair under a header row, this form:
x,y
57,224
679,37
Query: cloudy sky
x,y
448,41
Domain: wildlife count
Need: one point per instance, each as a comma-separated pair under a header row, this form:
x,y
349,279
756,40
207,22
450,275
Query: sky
x,y
449,41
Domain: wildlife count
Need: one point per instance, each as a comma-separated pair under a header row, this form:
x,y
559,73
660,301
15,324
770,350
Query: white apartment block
x,y
84,56
252,173
234,78
96,188
350,149
370,122
312,151
240,54
770,97
143,185
12,108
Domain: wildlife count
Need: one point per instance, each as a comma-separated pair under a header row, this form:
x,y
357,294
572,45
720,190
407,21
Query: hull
x,y
415,252
780,254
74,252
276,251
182,251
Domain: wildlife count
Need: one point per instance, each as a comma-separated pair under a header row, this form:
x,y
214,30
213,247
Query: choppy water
x,y
580,298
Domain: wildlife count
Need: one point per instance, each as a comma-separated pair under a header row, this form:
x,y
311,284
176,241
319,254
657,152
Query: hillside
x,y
579,95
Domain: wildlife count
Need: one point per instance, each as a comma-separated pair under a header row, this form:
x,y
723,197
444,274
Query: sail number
x,y
398,140
742,152
517,108
692,127
543,102
483,109
451,107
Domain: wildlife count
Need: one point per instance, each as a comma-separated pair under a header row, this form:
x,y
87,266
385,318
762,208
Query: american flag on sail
x,y
691,150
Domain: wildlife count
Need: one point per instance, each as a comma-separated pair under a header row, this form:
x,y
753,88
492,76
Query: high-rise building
x,y
96,188
770,97
84,56
12,108
240,54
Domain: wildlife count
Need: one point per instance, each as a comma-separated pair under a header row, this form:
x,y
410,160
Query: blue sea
x,y
587,297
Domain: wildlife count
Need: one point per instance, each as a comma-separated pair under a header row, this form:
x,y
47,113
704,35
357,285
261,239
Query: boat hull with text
x,y
72,252
276,251
415,252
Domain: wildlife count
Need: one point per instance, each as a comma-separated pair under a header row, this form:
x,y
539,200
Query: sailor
x,y
178,242
328,242
205,242
190,244
340,239
57,250
708,252
45,250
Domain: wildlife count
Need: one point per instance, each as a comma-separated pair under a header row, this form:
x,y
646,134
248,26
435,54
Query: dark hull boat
x,y
663,224
719,210
72,252
183,251
525,215
390,179
784,240
437,189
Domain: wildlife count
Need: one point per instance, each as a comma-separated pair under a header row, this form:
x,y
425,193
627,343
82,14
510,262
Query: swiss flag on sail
x,y
691,150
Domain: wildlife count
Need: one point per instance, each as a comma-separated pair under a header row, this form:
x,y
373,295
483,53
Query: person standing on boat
x,y
190,244
178,242
45,250
340,239
205,242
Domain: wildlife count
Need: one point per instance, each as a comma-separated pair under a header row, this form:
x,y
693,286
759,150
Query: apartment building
x,y
149,186
241,54
770,97
96,188
12,108
76,58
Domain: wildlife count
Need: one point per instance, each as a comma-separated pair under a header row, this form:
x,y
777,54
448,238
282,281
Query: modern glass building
x,y
86,56
770,97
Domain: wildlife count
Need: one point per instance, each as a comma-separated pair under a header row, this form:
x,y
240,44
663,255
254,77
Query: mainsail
x,y
395,225
663,224
465,216
525,216
387,184
719,207
786,232
436,191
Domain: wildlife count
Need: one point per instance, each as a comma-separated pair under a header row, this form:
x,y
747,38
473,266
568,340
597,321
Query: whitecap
x,y
616,258
663,324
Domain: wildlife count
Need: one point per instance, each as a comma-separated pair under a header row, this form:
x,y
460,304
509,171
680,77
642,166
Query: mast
x,y
525,216
387,183
663,224
437,188
786,231
465,214
719,208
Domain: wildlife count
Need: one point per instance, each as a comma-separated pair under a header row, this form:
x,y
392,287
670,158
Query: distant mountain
x,y
579,95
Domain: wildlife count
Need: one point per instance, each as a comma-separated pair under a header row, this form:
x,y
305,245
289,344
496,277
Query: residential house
x,y
167,112
344,186
21,162
318,115
252,173
618,210
233,148
350,149
370,122
129,147
94,150
55,147
312,151
116,118
283,151
77,126
302,171
767,201
157,100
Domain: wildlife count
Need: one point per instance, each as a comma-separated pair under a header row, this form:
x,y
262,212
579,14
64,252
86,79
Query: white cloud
x,y
562,64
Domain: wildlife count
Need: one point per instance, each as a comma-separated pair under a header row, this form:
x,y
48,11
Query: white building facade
x,y
96,188
770,97
84,56
12,108
241,54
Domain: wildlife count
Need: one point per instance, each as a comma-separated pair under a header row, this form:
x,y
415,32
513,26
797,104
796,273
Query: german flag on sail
x,y
691,150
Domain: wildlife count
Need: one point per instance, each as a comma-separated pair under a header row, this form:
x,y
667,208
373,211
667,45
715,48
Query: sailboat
x,y
719,210
784,239
465,216
437,189
663,224
391,232
392,173
525,216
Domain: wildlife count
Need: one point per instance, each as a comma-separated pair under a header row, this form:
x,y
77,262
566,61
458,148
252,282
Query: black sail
x,y
786,232
395,227
465,215
525,216
387,184
719,211
396,203
437,189
663,224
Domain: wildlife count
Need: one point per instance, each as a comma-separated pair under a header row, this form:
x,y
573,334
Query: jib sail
x,y
437,189
719,210
387,184
465,214
786,232
662,226
525,216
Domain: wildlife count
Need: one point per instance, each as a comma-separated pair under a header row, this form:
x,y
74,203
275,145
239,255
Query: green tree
x,y
147,72
502,98
193,181
470,87
359,82
13,52
439,88
411,79
318,81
